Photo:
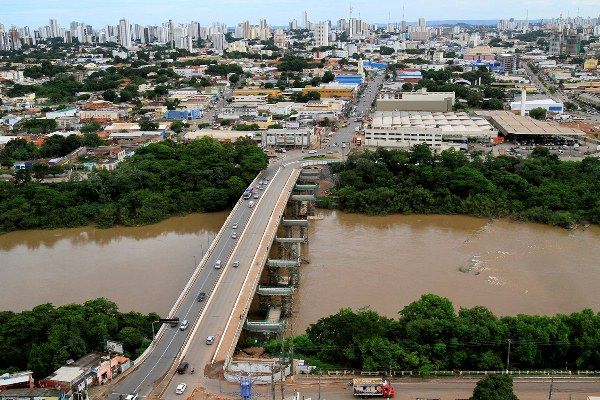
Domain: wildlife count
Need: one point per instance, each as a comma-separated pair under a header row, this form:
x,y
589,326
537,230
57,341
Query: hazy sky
x,y
35,13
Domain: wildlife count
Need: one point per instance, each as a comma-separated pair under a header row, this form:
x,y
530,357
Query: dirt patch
x,y
214,371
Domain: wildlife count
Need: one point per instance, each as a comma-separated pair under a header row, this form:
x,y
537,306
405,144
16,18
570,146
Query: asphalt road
x,y
167,348
222,285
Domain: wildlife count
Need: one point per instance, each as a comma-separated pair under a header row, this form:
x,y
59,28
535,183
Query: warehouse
x,y
512,125
438,130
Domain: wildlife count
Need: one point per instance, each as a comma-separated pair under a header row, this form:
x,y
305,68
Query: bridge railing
x,y
558,374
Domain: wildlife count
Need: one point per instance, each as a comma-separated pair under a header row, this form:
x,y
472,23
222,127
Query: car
x,y
234,235
180,388
312,152
255,196
131,396
236,264
184,325
218,264
201,296
182,367
234,226
261,188
175,323
267,179
210,340
330,152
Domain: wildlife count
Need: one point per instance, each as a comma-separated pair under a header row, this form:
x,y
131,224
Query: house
x,y
33,394
16,380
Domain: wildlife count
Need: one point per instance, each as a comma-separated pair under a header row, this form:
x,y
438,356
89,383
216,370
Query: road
x,y
169,344
222,285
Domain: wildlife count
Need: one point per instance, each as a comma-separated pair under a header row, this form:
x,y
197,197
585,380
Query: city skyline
x,y
280,12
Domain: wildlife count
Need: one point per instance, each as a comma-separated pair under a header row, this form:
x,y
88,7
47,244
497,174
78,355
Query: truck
x,y
372,387
248,193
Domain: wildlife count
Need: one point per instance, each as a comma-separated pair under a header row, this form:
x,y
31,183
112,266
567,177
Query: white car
x,y
312,152
234,235
180,388
234,226
210,340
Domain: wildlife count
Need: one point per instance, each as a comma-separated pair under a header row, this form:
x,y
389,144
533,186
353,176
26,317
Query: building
x,y
69,112
512,125
221,135
509,61
237,111
547,104
257,92
438,130
33,394
16,380
394,100
189,114
102,115
562,44
331,91
349,79
125,33
321,34
301,137
479,53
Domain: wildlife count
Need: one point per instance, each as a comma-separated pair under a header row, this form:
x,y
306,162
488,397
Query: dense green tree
x,y
494,387
538,113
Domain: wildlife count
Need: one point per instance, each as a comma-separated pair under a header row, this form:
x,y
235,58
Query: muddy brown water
x,y
355,261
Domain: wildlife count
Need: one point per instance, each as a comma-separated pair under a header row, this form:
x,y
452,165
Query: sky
x,y
35,13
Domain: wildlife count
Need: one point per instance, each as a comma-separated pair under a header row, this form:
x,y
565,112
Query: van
x,y
182,367
184,325
251,204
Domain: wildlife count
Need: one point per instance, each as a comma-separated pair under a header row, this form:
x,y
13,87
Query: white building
x,y
439,130
547,104
125,33
321,33
287,137
218,41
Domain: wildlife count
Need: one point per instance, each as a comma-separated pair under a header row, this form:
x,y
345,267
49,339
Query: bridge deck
x,y
234,326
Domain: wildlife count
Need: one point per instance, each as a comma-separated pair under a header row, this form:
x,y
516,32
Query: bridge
x,y
230,290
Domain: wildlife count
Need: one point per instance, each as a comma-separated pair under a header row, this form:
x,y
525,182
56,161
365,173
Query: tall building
x,y
218,41
54,28
321,33
305,20
124,33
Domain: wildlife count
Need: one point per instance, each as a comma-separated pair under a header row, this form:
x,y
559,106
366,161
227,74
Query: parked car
x,y
182,367
180,388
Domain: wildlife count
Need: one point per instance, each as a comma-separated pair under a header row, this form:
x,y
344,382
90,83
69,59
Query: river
x,y
355,261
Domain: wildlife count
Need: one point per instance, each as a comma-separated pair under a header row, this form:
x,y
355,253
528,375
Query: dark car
x,y
201,296
182,367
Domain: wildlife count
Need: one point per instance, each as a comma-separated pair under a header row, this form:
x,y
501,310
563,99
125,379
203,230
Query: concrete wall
x,y
443,105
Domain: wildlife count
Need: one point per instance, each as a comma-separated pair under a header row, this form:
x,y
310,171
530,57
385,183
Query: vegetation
x,y
159,181
54,146
430,335
541,188
292,63
44,338
538,113
494,387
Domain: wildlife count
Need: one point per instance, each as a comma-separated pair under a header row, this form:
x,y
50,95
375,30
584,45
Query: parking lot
x,y
565,150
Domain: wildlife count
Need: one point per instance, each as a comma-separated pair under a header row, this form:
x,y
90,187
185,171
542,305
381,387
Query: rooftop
x,y
33,392
513,124
446,121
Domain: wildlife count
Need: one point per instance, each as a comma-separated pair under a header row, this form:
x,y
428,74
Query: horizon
x,y
277,12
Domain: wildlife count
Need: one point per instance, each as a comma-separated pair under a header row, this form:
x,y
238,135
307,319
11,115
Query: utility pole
x,y
551,384
508,356
281,367
273,381
320,372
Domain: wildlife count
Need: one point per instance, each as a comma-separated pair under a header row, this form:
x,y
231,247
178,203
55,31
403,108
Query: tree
x,y
177,126
91,127
494,387
328,77
234,78
407,86
148,125
110,95
386,51
538,113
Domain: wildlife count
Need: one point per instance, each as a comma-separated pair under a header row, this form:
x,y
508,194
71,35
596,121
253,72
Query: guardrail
x,y
272,235
522,373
